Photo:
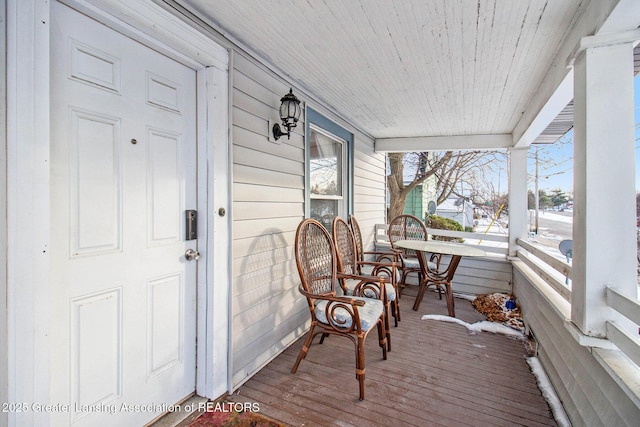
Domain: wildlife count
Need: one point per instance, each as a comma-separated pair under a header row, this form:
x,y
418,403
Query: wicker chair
x,y
386,264
352,281
409,227
349,316
390,256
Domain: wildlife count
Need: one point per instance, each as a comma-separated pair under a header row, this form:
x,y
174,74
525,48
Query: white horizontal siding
x,y
368,201
264,228
483,276
369,184
290,149
268,204
477,276
260,303
589,394
246,145
270,210
268,312
243,248
371,192
251,192
369,178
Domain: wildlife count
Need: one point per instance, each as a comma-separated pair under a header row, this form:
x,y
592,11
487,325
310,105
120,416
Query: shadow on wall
x,y
267,307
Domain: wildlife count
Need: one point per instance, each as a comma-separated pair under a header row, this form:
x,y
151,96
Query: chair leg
x,y
403,281
382,339
396,306
394,311
360,365
323,337
305,348
387,325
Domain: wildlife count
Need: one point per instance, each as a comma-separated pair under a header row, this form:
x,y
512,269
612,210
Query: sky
x,y
561,175
555,165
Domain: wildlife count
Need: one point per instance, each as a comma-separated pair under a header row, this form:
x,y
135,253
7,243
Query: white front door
x,y
123,173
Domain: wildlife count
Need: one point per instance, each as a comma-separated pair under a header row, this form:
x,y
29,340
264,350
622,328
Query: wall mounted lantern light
x,y
289,114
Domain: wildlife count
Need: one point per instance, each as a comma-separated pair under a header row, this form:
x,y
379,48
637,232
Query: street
x,y
553,227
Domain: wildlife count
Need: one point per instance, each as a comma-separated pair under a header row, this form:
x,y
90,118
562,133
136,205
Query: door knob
x,y
191,255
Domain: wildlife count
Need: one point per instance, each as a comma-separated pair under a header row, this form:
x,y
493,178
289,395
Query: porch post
x,y
604,231
518,208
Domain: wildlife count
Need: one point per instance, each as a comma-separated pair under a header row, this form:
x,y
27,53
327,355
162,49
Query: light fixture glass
x,y
290,111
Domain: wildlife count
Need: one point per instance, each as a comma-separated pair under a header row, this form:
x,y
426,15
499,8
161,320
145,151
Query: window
x,y
328,166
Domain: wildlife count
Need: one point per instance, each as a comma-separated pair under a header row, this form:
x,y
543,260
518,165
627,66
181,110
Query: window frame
x,y
319,123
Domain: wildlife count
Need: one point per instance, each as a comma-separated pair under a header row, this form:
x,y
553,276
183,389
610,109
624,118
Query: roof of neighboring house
x,y
449,205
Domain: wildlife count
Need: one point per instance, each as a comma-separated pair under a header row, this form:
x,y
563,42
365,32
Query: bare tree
x,y
398,188
451,169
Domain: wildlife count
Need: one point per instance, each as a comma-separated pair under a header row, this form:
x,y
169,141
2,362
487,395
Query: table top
x,y
439,247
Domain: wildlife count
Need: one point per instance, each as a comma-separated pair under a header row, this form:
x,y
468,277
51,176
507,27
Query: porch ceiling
x,y
414,68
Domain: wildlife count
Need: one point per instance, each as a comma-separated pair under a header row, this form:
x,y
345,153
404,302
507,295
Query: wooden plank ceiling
x,y
405,68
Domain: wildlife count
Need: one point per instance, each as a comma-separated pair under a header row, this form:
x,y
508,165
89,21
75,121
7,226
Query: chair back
x,y
357,235
315,258
406,227
346,250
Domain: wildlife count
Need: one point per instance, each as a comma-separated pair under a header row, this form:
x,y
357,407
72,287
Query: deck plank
x,y
437,374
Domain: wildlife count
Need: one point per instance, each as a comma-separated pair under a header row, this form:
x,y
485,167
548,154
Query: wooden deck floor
x,y
436,374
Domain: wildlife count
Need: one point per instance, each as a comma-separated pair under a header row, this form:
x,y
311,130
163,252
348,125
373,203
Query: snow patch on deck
x,y
548,392
483,326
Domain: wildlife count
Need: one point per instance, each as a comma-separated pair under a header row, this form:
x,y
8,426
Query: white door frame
x,y
3,214
28,196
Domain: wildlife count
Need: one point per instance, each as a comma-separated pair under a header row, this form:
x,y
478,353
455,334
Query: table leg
x,y
445,278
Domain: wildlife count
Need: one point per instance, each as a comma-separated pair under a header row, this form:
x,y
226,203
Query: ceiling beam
x,y
443,143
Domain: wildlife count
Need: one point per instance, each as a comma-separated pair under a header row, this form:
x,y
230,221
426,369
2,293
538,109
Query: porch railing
x,y
554,271
630,309
557,273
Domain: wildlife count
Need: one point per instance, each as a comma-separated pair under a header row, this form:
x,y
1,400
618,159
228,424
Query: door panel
x,y
123,172
94,156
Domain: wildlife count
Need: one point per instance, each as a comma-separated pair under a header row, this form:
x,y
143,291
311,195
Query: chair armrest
x,y
386,270
392,254
362,278
381,263
369,286
342,299
389,252
341,313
